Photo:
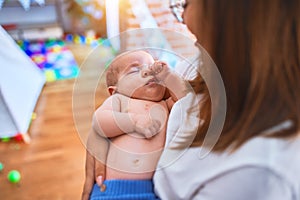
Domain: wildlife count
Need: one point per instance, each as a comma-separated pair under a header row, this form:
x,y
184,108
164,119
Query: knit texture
x,y
125,190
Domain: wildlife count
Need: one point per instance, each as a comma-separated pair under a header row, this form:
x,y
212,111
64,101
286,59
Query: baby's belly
x,y
133,158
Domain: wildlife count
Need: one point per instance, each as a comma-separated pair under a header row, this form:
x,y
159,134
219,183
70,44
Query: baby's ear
x,y
112,90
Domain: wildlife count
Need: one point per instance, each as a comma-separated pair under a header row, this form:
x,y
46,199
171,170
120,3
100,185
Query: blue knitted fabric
x,y
125,190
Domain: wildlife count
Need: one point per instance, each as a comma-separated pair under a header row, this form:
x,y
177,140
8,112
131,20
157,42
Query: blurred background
x,y
44,46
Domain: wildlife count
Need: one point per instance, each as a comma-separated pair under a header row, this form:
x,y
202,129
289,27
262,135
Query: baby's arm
x,y
110,121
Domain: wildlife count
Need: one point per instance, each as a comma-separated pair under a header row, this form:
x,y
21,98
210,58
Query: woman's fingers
x,y
99,172
89,176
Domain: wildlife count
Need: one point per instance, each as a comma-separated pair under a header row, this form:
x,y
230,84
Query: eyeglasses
x,y
177,8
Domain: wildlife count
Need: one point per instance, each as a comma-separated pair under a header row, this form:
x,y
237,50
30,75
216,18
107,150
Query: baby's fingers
x,y
156,68
156,125
148,133
153,129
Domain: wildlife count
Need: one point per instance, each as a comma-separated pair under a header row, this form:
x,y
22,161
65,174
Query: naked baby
x,y
132,124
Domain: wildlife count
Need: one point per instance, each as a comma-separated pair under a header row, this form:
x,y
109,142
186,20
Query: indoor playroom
x,y
149,99
45,45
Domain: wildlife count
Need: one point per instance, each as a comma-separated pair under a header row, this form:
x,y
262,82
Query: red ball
x,y
19,137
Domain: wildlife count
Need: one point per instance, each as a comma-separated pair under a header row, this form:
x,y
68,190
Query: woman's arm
x,y
96,153
89,177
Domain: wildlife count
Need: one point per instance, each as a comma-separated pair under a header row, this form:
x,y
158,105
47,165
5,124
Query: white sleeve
x,y
249,183
188,68
186,111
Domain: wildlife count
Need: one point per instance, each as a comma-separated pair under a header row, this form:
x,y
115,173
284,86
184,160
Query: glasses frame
x,y
177,9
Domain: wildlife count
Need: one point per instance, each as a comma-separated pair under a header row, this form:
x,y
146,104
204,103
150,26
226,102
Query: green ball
x,y
1,166
14,176
5,139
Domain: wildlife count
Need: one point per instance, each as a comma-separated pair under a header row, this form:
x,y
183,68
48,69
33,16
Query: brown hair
x,y
112,74
256,47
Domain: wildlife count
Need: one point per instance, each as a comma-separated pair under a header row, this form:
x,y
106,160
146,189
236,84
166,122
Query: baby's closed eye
x,y
133,70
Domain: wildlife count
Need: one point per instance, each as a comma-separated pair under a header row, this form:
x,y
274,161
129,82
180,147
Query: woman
x,y
255,45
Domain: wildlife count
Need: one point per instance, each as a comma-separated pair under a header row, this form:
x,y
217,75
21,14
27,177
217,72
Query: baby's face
x,y
135,80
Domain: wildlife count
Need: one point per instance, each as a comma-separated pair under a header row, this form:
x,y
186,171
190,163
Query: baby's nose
x,y
146,72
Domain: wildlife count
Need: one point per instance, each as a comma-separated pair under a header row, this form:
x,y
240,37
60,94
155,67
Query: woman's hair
x,y
256,47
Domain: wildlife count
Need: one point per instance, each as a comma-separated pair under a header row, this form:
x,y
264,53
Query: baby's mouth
x,y
152,81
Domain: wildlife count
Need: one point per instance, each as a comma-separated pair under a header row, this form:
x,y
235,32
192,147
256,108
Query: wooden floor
x,y
52,164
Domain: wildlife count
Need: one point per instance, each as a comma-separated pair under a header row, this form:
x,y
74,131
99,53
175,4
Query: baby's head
x,y
128,74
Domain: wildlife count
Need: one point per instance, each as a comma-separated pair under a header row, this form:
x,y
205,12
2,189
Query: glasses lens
x,y
177,9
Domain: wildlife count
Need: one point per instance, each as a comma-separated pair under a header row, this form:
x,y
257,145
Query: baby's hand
x,y
160,70
146,126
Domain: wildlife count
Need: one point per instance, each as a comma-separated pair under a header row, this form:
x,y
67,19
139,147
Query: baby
x,y
134,120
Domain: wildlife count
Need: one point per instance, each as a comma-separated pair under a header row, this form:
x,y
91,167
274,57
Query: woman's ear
x,y
112,90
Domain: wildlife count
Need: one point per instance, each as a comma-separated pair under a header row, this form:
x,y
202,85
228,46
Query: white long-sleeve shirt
x,y
262,169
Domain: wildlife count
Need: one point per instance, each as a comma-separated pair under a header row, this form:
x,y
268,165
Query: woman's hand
x,y
94,172
89,176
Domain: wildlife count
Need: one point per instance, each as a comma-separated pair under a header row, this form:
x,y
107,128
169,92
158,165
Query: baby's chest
x,y
142,107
